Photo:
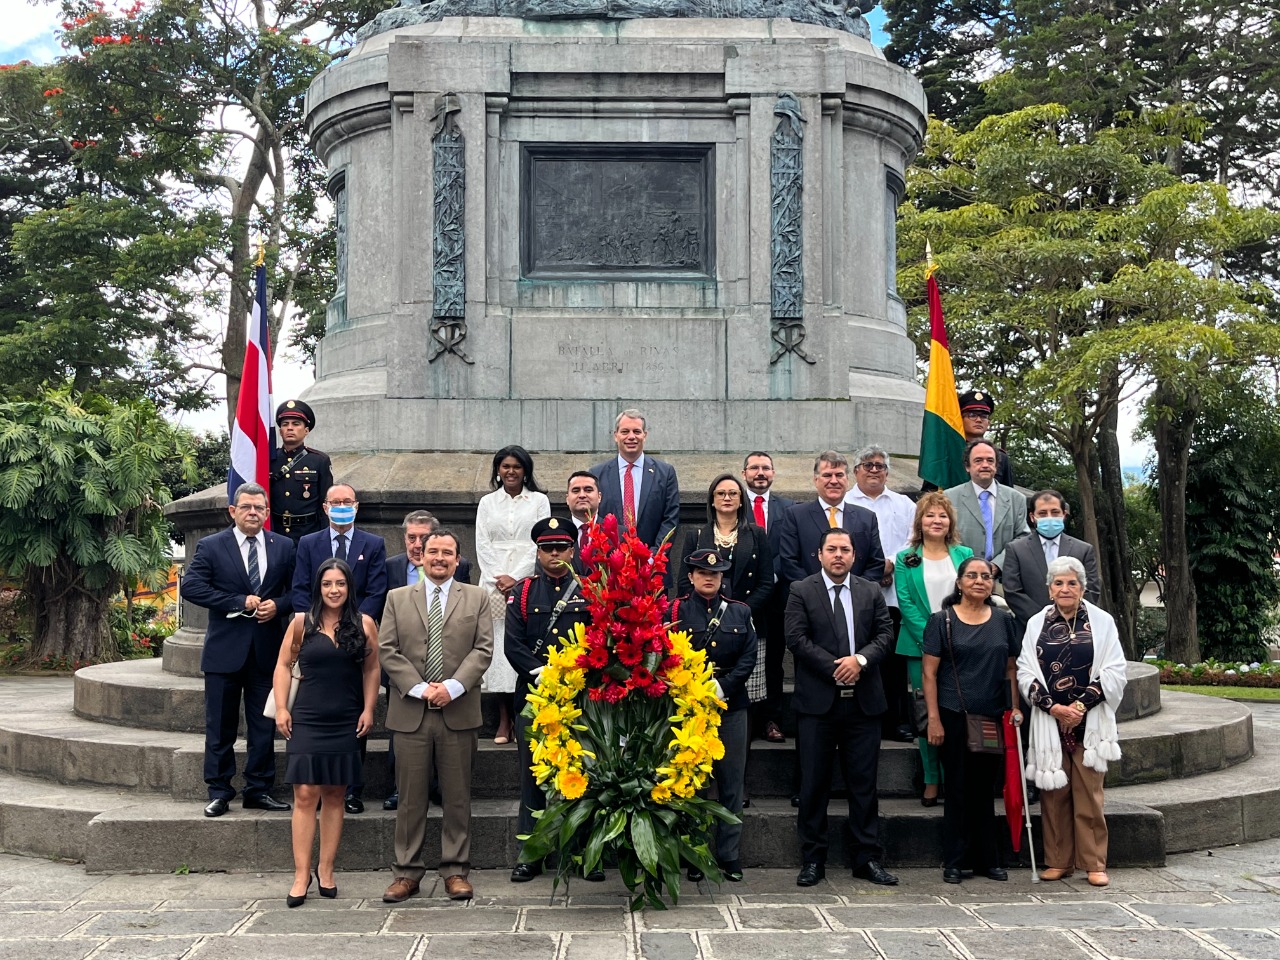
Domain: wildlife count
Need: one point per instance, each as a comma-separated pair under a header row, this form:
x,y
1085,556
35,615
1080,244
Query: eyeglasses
x,y
251,508
978,576
976,415
874,466
342,503
728,494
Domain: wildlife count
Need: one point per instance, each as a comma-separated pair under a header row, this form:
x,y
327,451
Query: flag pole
x,y
1026,803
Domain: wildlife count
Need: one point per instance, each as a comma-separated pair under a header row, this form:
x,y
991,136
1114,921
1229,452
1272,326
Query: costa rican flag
x,y
253,435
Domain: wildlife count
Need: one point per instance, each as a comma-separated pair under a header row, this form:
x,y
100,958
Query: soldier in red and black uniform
x,y
542,611
300,475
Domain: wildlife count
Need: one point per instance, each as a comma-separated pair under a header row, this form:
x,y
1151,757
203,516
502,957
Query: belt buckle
x,y
847,692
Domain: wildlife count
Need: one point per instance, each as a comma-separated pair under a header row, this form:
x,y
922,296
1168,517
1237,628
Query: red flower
x,y
598,658
614,692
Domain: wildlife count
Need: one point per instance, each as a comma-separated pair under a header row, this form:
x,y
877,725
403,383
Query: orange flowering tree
x,y
625,728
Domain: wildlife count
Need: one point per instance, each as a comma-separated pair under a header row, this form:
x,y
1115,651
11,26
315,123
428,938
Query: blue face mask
x,y
342,515
1049,527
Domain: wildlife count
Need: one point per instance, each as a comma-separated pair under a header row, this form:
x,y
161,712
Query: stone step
x,y
113,832
41,737
140,693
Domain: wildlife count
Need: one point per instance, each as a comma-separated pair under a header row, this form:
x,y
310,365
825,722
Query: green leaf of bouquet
x,y
642,838
582,810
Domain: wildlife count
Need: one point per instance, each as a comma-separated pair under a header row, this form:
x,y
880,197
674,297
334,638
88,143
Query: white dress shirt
x,y
243,542
894,515
637,478
333,540
455,687
845,602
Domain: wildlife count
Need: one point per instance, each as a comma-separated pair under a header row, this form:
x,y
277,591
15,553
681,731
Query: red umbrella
x,y
1013,777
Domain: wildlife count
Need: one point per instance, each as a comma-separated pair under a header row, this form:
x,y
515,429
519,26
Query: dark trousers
x,y
223,693
775,645
897,690
729,774
531,795
968,817
846,731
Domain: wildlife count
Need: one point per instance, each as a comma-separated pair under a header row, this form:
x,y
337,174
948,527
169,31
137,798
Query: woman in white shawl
x,y
1072,671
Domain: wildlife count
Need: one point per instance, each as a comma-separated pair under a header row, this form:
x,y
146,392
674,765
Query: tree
x,y
1233,483
209,463
80,517
1090,259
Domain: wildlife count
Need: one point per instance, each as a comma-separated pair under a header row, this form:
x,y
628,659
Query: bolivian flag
x,y
942,438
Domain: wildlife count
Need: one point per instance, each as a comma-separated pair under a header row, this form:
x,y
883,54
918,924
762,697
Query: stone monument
x,y
550,209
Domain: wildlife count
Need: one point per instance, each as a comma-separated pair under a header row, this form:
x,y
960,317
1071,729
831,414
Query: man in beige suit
x,y
435,643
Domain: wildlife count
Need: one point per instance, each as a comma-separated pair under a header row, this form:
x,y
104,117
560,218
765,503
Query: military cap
x,y
298,410
977,400
551,531
707,560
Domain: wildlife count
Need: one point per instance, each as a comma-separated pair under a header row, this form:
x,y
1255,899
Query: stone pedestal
x,y
477,307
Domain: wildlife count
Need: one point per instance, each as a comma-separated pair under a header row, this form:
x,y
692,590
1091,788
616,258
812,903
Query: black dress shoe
x,y
732,870
952,875
264,802
906,734
216,807
695,875
795,801
524,872
353,805
810,874
392,802
871,870
595,876
997,873
928,801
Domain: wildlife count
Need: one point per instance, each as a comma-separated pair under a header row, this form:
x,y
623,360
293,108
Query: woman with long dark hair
x,y
336,650
507,554
732,534
970,665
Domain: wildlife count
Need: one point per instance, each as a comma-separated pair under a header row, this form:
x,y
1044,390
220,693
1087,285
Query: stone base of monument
x,y
129,798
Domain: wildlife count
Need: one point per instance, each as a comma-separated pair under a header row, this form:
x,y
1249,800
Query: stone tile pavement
x,y
1223,905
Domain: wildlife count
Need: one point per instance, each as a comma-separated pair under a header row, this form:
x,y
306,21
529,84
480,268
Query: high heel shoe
x,y
929,801
293,901
329,893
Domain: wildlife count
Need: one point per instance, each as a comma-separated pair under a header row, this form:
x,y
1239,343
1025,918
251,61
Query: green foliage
x,y
80,510
1233,482
140,630
1216,673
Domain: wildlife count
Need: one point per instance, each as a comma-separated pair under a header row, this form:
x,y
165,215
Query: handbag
x,y
983,734
295,675
919,713
756,690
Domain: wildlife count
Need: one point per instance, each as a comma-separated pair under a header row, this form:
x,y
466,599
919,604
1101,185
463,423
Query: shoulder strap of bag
x,y
955,673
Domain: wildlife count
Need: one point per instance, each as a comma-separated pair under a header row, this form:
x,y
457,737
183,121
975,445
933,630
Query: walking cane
x,y
1026,804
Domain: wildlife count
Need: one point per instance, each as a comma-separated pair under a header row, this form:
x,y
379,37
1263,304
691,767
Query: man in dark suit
x,y
767,510
640,490
242,576
804,524
435,644
404,570
366,555
582,497
1026,560
839,631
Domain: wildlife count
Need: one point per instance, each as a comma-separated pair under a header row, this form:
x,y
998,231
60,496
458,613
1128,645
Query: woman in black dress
x,y
336,648
970,666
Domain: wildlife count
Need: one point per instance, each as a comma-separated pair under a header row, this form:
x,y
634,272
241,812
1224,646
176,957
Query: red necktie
x,y
629,497
582,538
760,512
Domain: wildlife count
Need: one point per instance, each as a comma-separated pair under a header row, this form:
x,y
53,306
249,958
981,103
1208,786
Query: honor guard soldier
x,y
976,407
542,611
300,475
722,628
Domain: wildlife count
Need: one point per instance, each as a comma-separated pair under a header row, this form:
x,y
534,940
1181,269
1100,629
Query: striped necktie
x,y
435,640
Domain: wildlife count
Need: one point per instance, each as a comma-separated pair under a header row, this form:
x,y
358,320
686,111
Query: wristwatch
x,y
862,661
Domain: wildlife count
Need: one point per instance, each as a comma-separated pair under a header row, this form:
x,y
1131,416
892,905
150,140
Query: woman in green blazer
x,y
923,575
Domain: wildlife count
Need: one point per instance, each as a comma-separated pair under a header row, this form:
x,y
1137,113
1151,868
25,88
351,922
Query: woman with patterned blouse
x,y
1072,671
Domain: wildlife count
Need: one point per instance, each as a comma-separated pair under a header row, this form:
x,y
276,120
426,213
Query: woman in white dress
x,y
507,554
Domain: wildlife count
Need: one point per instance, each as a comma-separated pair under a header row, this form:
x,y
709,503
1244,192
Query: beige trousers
x,y
452,751
1075,832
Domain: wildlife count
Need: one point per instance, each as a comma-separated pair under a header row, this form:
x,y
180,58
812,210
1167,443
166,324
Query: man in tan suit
x,y
435,643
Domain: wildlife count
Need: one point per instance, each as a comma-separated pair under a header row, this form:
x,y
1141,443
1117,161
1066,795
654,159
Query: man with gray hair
x,y
802,526
242,575
894,514
640,490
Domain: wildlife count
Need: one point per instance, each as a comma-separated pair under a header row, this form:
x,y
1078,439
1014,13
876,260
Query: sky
x,y
31,33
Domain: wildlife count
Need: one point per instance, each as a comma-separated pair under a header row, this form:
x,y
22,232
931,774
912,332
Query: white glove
x,y
719,690
537,672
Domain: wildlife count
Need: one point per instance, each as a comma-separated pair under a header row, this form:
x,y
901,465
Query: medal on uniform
x,y
306,489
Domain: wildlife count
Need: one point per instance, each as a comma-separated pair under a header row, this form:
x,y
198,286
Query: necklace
x,y
726,540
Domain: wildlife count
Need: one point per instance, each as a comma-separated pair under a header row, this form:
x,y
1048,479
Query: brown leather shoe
x,y
773,733
1055,873
1098,878
457,887
401,889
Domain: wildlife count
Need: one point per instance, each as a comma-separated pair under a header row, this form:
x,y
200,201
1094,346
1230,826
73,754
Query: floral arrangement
x,y
1213,673
624,723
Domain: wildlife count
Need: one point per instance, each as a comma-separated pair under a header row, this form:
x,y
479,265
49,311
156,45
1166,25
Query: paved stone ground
x,y
1199,907
1214,905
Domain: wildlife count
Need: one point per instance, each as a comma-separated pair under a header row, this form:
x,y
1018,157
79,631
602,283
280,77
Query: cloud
x,y
30,33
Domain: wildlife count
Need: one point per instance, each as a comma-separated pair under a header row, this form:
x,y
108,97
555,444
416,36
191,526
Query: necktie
x,y
759,511
255,578
629,497
582,538
417,574
1050,551
831,517
341,552
988,521
842,625
435,640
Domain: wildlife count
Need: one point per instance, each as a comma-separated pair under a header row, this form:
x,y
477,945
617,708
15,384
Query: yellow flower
x,y
715,747
571,784
661,793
